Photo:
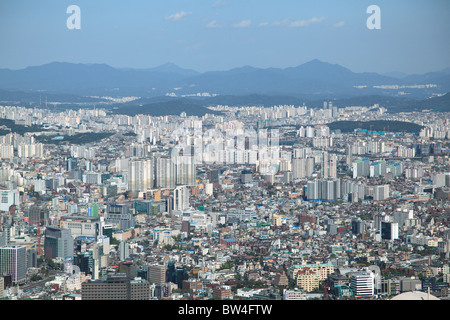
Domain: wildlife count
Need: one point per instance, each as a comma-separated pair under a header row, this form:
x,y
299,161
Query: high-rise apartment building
x,y
140,175
185,170
165,172
361,168
181,198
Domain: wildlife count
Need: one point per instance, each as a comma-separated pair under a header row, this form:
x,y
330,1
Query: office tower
x,y
358,226
176,274
157,274
71,164
140,175
81,260
362,284
58,243
185,170
181,198
13,262
119,216
389,230
116,287
165,173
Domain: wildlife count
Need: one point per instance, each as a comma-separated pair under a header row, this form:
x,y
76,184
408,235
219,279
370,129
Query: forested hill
x,y
376,125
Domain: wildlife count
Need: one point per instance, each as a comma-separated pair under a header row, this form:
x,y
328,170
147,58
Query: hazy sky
x,y
224,34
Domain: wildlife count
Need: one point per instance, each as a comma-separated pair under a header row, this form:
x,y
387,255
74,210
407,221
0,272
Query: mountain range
x,y
311,79
312,82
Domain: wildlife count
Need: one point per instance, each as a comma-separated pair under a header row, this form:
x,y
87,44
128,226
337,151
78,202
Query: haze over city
x,y
229,158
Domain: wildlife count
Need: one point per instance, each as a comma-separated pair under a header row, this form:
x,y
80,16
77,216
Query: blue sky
x,y
224,34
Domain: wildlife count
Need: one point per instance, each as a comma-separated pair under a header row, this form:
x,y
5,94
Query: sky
x,y
210,35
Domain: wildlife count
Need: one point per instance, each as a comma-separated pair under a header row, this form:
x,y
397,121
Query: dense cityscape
x,y
245,203
224,158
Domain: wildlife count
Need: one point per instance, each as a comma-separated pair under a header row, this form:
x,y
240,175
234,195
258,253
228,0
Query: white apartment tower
x,y
140,175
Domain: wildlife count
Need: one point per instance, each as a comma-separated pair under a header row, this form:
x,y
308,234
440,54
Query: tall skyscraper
x,y
13,262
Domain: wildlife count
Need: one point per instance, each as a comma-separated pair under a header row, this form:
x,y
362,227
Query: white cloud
x,y
178,16
263,24
305,23
339,24
213,24
284,22
242,24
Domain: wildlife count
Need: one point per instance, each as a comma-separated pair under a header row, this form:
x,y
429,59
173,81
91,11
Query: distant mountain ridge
x,y
313,79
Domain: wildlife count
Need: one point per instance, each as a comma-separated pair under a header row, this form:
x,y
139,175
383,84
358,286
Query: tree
x,y
35,277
